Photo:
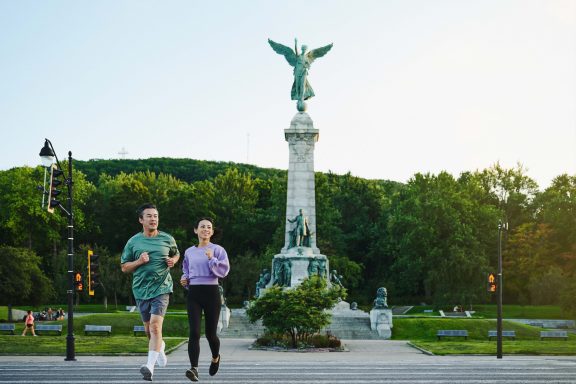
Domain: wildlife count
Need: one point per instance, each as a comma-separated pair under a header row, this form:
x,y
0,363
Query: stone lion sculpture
x,y
381,298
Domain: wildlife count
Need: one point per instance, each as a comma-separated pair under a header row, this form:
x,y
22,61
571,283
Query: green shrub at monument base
x,y
299,312
283,341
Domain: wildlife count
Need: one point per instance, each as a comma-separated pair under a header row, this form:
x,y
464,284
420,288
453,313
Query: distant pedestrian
x,y
29,324
149,255
202,266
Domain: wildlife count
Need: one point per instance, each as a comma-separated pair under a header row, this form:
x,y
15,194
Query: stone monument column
x,y
301,195
299,258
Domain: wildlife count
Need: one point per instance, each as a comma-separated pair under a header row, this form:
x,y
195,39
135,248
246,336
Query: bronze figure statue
x,y
301,61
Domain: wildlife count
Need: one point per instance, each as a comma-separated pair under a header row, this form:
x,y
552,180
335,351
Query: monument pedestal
x,y
299,257
381,321
296,264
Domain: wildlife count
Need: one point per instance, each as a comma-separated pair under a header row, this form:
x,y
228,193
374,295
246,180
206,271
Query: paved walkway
x,y
237,350
367,361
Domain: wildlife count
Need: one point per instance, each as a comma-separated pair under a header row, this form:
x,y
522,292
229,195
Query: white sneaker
x,y
162,359
146,372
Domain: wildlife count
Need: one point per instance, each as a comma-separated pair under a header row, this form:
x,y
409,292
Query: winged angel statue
x,y
301,61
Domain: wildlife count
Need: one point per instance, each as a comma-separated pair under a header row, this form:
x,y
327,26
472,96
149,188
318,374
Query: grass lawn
x,y
509,347
122,324
488,311
521,312
422,333
424,329
122,341
84,345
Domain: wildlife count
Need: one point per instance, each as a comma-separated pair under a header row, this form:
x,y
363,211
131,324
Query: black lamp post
x,y
501,226
48,155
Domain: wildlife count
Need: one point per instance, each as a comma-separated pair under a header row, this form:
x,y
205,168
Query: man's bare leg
x,y
153,330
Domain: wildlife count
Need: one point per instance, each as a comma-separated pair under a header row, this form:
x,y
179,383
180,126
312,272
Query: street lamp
x,y
47,154
501,227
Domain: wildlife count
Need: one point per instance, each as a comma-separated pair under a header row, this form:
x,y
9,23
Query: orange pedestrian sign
x,y
78,281
492,285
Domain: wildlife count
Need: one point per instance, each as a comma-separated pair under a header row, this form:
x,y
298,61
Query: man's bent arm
x,y
174,260
131,266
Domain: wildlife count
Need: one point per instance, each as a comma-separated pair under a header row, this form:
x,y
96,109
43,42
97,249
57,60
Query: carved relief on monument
x,y
302,150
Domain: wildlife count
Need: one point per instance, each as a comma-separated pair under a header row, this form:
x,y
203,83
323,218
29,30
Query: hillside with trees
x,y
432,239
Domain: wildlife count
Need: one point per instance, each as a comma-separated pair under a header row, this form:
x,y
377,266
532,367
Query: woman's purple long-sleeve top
x,y
199,270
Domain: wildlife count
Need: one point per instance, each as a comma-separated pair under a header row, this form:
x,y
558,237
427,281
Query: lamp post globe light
x,y
47,154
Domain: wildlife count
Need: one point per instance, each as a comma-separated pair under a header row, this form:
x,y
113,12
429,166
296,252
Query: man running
x,y
149,255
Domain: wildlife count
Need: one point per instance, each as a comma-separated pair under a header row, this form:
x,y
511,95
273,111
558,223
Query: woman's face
x,y
204,230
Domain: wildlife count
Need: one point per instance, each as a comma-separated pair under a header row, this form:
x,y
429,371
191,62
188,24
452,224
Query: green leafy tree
x,y
511,190
21,279
299,312
329,236
117,200
434,231
24,223
556,207
188,170
185,205
234,205
351,229
240,284
526,258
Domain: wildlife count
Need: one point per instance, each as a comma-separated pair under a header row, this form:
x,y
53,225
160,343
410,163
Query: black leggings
x,y
207,298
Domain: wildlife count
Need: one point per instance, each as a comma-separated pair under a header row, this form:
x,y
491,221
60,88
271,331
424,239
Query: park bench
x,y
98,329
48,328
139,329
554,335
8,328
536,324
510,334
452,333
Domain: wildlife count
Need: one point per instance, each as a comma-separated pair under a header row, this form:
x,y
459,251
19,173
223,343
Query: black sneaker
x,y
192,374
214,367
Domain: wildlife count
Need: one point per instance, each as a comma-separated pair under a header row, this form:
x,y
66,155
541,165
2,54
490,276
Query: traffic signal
x,y
55,173
78,286
93,272
492,285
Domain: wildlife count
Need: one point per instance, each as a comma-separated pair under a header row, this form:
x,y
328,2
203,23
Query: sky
x,y
410,86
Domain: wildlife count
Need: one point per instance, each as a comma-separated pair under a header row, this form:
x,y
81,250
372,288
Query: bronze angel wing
x,y
287,52
318,52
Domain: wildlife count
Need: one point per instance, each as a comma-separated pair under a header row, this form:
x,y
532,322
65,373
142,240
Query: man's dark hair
x,y
143,207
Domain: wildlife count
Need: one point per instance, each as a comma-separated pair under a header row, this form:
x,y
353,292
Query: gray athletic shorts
x,y
154,306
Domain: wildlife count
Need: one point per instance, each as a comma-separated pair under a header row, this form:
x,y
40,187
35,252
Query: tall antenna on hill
x,y
123,152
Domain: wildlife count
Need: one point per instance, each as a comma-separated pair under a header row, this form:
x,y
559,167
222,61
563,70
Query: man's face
x,y
149,220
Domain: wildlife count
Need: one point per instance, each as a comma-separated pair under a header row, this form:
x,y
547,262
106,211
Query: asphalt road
x,y
367,361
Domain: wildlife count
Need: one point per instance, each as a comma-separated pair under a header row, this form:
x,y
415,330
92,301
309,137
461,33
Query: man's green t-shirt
x,y
153,278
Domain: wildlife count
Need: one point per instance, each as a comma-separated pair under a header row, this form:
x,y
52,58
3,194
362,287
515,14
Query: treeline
x,y
430,240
